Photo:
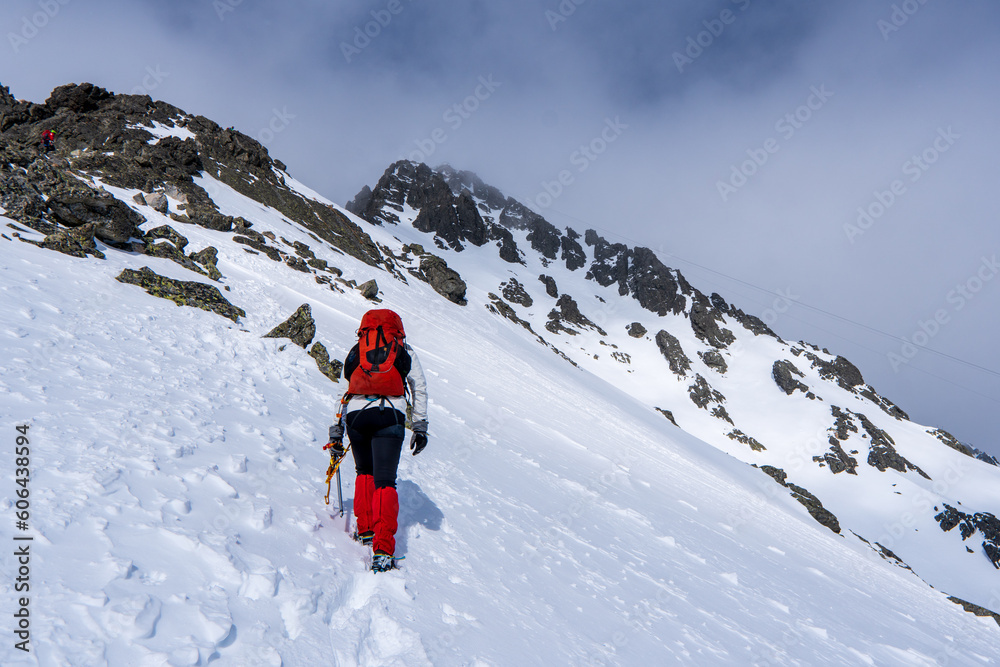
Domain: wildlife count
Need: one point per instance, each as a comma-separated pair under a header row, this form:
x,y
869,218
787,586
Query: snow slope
x,y
177,512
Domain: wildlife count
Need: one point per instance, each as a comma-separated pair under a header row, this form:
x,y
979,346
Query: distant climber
x,y
48,141
384,377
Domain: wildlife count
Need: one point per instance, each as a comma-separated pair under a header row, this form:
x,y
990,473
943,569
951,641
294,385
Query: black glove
x,y
336,444
419,439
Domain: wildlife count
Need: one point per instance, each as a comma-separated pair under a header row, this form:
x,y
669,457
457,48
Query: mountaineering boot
x,y
382,562
364,538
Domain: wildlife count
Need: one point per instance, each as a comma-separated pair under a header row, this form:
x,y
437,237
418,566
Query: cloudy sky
x,y
829,166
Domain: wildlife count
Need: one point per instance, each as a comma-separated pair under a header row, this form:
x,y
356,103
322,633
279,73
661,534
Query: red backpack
x,y
382,358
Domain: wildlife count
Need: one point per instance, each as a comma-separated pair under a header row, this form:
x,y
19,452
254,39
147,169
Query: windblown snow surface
x,y
176,478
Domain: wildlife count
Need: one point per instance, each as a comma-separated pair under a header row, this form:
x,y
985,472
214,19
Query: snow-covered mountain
x,y
621,470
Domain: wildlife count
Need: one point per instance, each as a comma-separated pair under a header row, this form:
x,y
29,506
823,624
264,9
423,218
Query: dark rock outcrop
x,y
706,320
840,370
952,441
445,281
514,292
568,312
782,372
975,609
78,242
740,436
330,368
208,257
636,330
300,328
987,524
882,452
714,360
813,504
105,135
751,323
183,293
838,460
702,394
668,414
115,223
369,290
550,285
671,350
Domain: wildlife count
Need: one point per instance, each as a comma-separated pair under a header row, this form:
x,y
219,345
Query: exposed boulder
x,y
550,285
369,290
838,460
208,257
782,372
445,281
572,251
636,330
671,350
330,368
170,234
668,414
702,394
116,223
567,311
79,98
78,242
514,292
299,328
158,202
183,293
740,436
715,361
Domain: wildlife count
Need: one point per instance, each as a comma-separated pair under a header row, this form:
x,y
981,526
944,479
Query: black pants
x,y
376,435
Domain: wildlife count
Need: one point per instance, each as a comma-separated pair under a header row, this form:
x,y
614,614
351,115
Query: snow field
x,y
553,519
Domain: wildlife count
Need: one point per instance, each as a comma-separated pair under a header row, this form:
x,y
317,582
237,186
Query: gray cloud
x,y
560,81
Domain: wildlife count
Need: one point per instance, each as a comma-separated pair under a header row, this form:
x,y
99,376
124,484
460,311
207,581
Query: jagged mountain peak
x,y
700,340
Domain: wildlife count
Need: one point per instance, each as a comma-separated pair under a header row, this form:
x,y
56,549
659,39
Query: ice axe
x,y
333,470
